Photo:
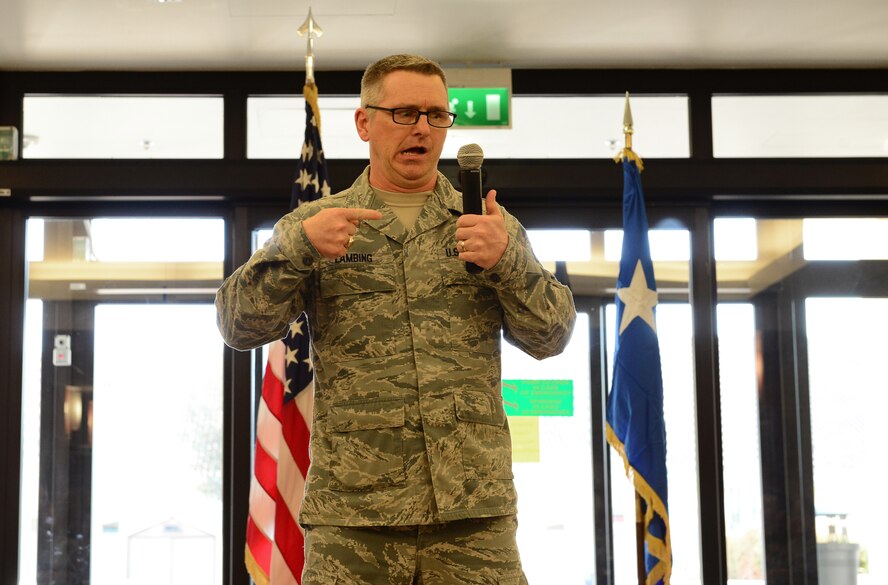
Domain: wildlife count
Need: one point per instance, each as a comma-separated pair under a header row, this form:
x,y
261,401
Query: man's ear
x,y
362,120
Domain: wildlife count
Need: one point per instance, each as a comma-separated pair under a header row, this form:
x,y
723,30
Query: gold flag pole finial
x,y
310,29
627,123
628,130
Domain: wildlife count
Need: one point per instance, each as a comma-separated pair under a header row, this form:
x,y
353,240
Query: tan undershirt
x,y
406,206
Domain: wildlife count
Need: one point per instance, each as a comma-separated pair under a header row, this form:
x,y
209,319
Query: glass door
x,y
848,401
122,403
801,316
845,292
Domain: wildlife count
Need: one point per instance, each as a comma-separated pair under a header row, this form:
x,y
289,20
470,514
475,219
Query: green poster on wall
x,y
538,397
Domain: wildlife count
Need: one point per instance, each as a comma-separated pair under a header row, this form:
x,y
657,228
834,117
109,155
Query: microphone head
x,y
470,157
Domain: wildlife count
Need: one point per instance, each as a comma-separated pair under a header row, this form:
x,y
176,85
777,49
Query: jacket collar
x,y
444,203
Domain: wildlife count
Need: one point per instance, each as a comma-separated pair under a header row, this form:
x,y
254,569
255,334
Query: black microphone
x,y
470,157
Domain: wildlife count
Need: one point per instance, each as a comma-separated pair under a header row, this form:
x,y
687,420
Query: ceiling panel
x,y
261,34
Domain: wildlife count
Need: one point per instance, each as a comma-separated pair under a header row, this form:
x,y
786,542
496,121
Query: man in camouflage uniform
x,y
411,472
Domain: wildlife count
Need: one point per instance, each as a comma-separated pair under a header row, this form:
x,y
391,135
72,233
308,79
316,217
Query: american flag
x,y
274,553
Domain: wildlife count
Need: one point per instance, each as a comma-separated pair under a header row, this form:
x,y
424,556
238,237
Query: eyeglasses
x,y
410,116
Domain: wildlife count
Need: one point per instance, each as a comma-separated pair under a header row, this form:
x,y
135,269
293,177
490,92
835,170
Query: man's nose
x,y
422,125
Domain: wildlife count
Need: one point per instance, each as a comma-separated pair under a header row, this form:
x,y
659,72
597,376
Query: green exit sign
x,y
480,106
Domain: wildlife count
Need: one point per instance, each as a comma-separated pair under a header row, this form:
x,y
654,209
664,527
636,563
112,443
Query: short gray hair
x,y
371,82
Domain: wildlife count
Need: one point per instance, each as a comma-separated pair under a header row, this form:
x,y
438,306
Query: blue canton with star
x,y
310,183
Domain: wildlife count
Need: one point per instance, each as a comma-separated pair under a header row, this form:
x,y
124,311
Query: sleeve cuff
x,y
290,238
511,268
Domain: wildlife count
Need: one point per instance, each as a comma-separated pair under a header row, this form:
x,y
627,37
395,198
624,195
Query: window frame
x,y
542,193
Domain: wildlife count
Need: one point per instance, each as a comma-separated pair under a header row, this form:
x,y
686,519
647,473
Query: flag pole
x,y
635,424
639,540
274,548
628,153
627,124
312,30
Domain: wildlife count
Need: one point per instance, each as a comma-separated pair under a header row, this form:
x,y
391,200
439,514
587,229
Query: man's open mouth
x,y
415,150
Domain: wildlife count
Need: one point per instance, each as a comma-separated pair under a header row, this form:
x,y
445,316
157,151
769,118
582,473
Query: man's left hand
x,y
482,239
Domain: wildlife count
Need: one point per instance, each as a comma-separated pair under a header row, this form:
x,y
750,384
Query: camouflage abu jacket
x,y
409,426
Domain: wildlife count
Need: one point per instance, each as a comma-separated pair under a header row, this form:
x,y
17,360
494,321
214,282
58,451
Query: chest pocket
x,y
360,309
476,317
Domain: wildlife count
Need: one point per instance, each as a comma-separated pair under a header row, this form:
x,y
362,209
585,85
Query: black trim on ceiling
x,y
178,82
684,81
568,183
524,81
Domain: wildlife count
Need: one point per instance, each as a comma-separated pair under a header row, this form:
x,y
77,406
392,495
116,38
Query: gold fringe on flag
x,y
629,154
310,91
659,548
253,568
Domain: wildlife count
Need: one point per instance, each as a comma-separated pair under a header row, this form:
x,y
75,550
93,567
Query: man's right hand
x,y
331,231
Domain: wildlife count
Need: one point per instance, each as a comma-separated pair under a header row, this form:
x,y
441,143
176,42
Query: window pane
x,y
846,239
800,126
276,127
122,406
157,445
846,353
552,455
35,240
744,529
582,127
665,245
128,127
152,240
260,237
755,255
30,486
735,238
777,245
555,245
569,126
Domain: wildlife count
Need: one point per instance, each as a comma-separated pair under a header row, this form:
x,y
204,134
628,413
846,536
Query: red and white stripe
x,y
274,554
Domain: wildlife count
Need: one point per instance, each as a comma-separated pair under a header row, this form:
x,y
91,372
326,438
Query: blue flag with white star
x,y
635,425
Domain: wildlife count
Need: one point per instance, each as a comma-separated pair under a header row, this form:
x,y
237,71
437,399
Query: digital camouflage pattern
x,y
408,426
476,551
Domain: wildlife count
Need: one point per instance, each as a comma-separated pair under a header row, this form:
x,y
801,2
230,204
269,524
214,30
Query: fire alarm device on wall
x,y
61,353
